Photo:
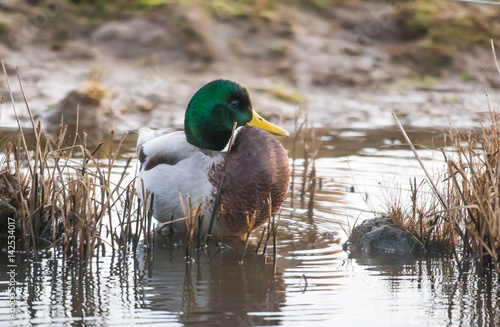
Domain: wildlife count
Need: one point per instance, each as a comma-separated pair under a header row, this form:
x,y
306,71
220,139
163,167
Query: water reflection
x,y
442,292
215,289
315,281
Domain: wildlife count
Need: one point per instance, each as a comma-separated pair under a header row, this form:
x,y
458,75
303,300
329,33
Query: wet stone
x,y
379,236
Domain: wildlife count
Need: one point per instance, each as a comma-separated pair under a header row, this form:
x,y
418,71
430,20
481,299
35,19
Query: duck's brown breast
x,y
257,167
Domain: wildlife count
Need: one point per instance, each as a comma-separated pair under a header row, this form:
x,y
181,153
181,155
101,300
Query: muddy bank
x,y
344,66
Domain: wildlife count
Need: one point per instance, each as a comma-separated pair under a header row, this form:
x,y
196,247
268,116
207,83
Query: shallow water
x,y
314,281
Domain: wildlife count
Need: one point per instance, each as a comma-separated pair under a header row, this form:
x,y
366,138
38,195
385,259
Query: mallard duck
x,y
191,162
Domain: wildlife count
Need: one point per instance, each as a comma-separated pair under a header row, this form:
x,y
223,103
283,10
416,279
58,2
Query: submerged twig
x,y
250,224
312,193
294,154
260,240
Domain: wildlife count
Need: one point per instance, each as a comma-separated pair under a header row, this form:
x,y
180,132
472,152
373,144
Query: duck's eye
x,y
235,103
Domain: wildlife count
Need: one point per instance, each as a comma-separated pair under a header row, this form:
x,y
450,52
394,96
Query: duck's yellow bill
x,y
259,122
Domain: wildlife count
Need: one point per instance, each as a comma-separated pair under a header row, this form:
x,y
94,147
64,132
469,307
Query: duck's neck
x,y
206,138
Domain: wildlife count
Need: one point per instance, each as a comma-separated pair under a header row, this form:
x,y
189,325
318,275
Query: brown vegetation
x,y
62,193
464,214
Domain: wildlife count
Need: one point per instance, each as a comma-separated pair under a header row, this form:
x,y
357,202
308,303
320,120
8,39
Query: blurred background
x,y
138,62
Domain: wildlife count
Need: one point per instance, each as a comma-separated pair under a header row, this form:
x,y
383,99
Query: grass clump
x,y
464,213
421,217
95,90
64,196
474,186
61,193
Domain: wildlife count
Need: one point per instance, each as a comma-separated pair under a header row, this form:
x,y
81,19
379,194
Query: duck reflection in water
x,y
214,288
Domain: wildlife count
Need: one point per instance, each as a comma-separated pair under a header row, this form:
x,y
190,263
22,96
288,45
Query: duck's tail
x,y
146,134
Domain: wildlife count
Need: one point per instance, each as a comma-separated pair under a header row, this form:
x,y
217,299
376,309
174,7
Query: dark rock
x,y
379,236
91,111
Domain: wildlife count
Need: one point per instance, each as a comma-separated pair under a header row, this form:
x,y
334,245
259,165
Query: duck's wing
x,y
170,167
167,149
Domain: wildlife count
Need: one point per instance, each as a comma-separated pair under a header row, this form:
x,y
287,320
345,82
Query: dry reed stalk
x,y
474,172
171,227
312,193
53,198
417,156
23,139
135,237
192,213
142,213
269,231
309,158
169,224
270,213
275,241
495,56
250,224
147,226
256,252
470,198
294,155
304,173
201,218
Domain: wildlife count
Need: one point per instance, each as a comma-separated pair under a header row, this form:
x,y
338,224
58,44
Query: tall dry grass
x,y
473,185
65,196
464,212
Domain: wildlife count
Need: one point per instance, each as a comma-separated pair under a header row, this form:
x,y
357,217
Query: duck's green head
x,y
212,111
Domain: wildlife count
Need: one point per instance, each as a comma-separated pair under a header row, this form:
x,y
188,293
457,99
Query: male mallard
x,y
191,162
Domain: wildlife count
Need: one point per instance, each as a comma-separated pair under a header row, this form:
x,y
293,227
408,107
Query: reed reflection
x,y
215,288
